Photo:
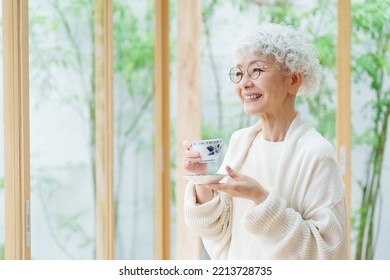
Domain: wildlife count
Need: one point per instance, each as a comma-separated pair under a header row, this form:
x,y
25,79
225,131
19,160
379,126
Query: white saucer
x,y
205,178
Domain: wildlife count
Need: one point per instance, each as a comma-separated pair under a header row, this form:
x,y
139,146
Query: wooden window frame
x,y
188,120
105,216
16,130
162,131
343,118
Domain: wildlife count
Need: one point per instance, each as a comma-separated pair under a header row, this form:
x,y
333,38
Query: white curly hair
x,y
288,47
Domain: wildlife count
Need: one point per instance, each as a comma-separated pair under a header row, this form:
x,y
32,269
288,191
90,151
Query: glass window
x,y
62,129
134,129
370,97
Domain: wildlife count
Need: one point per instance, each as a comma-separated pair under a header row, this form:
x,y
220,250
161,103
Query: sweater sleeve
x,y
315,230
211,221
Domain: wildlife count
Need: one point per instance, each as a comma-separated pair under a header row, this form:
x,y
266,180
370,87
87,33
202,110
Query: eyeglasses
x,y
254,71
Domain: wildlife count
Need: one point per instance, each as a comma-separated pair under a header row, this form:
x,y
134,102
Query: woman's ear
x,y
295,82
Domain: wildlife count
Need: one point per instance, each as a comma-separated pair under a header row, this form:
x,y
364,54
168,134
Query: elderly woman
x,y
284,197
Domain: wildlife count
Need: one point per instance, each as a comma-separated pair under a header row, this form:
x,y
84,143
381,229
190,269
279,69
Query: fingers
x,y
195,167
232,173
191,160
187,144
188,154
191,154
186,164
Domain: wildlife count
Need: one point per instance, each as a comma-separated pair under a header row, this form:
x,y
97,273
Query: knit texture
x,y
304,216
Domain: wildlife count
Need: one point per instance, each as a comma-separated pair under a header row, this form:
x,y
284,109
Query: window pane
x,y
371,137
62,129
134,129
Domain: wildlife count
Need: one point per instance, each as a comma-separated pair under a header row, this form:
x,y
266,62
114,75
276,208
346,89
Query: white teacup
x,y
209,150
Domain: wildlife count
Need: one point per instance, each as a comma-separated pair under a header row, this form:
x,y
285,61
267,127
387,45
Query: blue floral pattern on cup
x,y
209,150
214,149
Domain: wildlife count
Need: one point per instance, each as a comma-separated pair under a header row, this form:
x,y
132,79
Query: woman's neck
x,y
275,127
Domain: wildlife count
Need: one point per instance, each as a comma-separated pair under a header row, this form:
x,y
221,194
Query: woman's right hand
x,y
191,160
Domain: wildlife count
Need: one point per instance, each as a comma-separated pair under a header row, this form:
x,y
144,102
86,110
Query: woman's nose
x,y
246,81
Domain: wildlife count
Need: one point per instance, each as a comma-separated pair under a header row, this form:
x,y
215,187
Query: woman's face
x,y
268,95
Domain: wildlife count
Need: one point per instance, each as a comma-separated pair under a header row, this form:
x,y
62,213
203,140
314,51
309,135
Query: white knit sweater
x,y
304,216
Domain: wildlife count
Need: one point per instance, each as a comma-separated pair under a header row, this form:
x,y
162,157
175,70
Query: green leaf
x,y
327,49
2,254
67,221
367,138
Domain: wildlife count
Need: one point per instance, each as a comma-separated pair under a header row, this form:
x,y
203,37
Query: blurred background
x,y
62,124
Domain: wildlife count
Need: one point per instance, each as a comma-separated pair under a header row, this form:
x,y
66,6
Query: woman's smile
x,y
253,97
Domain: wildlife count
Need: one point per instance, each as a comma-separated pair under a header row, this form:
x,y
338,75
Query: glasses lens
x,y
235,74
254,71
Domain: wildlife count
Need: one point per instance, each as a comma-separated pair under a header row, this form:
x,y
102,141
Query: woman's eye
x,y
239,74
257,70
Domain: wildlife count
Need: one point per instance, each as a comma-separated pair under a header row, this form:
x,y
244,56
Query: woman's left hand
x,y
242,186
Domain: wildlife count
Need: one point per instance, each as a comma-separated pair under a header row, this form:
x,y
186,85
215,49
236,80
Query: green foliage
x,y
2,253
133,43
208,9
65,227
57,33
284,12
326,45
242,5
370,29
1,183
55,37
67,221
371,16
368,138
370,20
62,41
173,165
133,55
70,224
133,69
210,132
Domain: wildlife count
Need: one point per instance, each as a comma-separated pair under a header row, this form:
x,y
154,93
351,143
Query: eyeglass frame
x,y
262,67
